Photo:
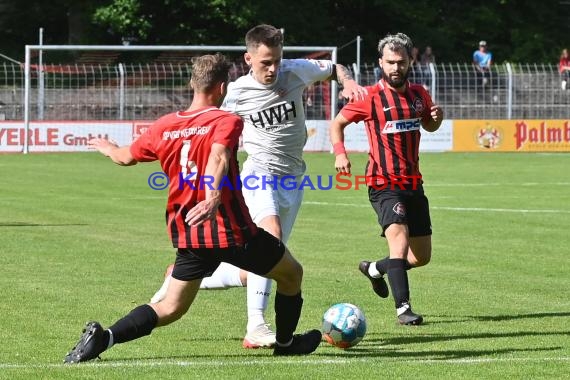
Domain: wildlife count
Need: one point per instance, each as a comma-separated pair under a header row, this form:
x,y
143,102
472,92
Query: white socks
x,y
402,309
226,276
111,342
258,291
372,271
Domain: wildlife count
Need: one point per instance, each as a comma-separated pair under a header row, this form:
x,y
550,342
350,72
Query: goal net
x,y
117,91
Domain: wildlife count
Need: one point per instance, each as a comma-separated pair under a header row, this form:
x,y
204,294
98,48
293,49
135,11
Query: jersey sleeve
x,y
143,148
356,111
311,70
227,131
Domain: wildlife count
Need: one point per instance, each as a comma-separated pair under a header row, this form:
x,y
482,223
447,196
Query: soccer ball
x,y
344,325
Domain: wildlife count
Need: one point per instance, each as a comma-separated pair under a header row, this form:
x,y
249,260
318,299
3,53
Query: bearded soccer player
x,y
393,113
207,218
270,100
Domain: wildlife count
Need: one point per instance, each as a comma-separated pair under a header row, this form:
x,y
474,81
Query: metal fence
x,y
146,91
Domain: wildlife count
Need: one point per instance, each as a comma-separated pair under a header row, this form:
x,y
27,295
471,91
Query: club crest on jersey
x,y
398,126
400,209
418,105
281,91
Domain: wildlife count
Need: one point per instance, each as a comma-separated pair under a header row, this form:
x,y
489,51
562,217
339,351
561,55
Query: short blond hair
x,y
209,70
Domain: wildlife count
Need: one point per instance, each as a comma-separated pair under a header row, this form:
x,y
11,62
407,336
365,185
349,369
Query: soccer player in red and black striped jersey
x,y
393,113
207,218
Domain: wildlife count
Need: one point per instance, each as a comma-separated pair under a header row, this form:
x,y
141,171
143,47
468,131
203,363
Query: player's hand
x,y
353,92
342,163
203,211
102,145
436,113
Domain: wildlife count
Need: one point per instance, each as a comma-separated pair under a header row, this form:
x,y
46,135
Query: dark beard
x,y
396,84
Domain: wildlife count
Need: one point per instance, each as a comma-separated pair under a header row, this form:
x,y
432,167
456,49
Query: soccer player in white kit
x,y
269,100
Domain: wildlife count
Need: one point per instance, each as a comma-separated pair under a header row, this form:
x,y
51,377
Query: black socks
x,y
287,314
383,265
138,323
398,278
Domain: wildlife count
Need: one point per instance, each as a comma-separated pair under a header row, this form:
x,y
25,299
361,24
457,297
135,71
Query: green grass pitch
x,y
83,239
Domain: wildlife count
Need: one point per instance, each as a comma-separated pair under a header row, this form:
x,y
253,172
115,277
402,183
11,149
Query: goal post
x,y
30,49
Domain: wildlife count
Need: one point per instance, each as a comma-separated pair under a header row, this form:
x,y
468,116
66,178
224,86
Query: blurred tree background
x,y
522,31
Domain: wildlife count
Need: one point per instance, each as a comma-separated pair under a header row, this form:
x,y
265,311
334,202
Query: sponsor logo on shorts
x,y
400,209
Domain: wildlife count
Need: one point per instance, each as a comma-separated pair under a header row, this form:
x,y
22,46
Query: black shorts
x,y
409,207
259,255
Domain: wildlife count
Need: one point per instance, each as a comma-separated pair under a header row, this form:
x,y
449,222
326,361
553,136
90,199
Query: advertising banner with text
x,y
356,140
65,136
72,136
511,136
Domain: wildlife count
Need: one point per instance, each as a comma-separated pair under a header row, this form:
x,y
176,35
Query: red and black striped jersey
x,y
182,143
392,122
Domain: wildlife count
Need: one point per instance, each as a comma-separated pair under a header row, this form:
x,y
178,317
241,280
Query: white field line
x,y
467,209
272,361
483,209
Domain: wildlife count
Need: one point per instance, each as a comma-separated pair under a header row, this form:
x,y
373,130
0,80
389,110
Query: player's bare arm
x,y
120,155
216,168
350,89
336,131
436,117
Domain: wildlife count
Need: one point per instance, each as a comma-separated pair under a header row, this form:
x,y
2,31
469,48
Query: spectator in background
x,y
416,71
482,60
426,58
564,68
377,73
415,58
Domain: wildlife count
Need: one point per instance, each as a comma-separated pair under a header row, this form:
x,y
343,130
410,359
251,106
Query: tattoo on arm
x,y
342,74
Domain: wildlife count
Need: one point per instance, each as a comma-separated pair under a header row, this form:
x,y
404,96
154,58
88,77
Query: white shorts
x,y
264,199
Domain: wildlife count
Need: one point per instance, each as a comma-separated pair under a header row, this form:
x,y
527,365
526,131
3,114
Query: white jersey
x,y
274,117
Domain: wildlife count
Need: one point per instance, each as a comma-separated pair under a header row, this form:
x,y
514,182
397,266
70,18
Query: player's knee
x,y
289,279
271,224
297,273
421,259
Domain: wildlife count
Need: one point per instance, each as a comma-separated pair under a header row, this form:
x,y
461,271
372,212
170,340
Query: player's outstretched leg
x,y
161,293
258,291
95,340
226,276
